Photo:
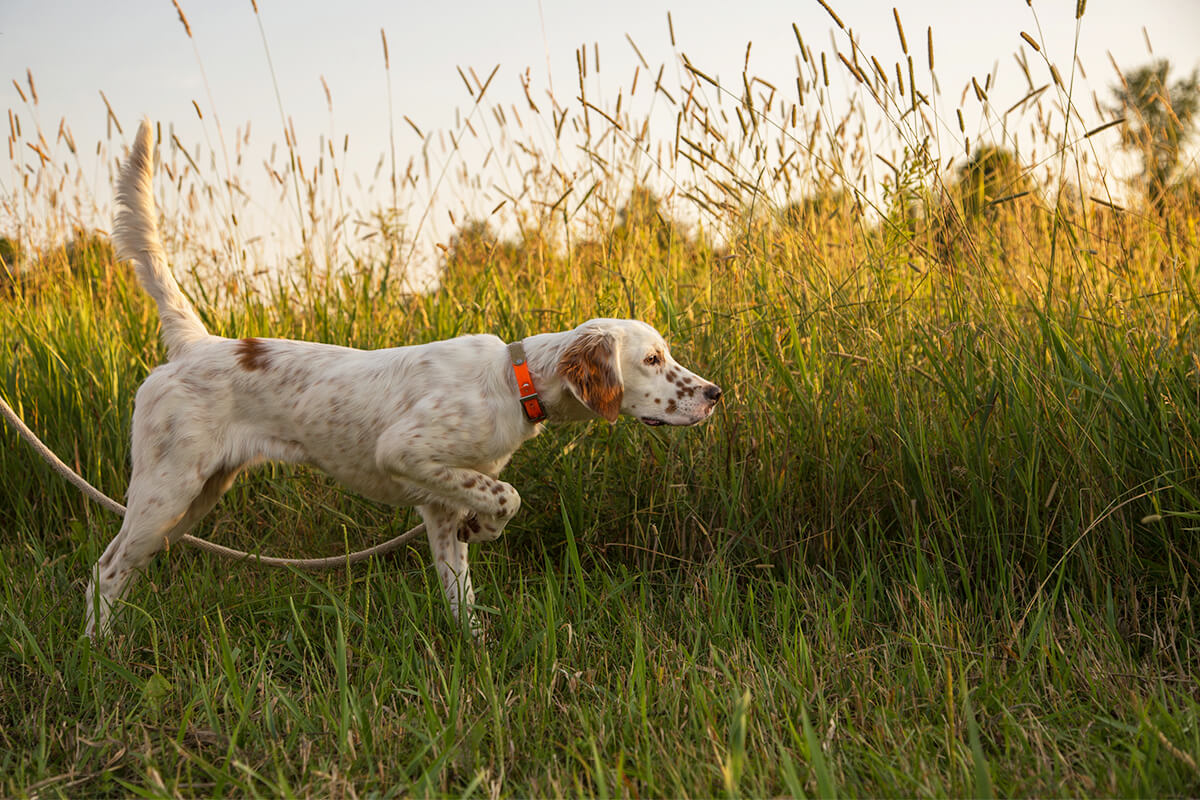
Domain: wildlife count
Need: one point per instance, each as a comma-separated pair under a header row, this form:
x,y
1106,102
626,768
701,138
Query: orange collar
x,y
531,404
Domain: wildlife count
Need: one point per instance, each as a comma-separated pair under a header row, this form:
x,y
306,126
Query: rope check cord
x,y
94,494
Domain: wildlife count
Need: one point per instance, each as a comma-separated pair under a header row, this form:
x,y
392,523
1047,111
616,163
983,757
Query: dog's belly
x,y
374,484
369,480
351,468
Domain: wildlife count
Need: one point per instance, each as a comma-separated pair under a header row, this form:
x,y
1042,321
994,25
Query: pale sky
x,y
138,54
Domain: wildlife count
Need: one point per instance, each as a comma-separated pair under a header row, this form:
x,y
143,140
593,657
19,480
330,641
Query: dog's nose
x,y
712,393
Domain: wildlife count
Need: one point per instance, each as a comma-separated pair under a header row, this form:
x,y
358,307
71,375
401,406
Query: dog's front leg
x,y
410,454
450,559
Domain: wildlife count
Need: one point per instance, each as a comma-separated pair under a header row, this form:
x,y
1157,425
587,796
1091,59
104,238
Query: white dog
x,y
429,425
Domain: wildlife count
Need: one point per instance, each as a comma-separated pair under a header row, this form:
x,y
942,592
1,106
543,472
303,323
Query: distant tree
x,y
991,173
10,253
1159,118
10,257
89,253
817,210
473,243
973,195
473,249
642,209
643,222
87,256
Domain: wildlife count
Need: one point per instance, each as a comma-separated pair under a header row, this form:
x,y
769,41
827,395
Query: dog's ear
x,y
589,367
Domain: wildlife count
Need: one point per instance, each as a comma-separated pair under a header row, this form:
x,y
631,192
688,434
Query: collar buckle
x,y
531,403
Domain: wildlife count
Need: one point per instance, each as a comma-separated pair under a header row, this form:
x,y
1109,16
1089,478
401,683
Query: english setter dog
x,y
429,425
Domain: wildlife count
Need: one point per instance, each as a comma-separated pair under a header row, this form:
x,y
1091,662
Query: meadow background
x,y
939,539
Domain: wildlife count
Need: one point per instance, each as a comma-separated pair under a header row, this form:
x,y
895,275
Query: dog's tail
x,y
135,237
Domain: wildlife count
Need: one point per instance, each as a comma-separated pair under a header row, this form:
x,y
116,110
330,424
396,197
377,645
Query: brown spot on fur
x,y
498,489
589,367
252,354
468,483
470,525
670,406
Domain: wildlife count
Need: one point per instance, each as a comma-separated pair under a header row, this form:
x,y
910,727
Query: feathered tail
x,y
135,236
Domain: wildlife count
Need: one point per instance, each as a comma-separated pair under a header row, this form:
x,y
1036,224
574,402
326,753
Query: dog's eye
x,y
653,360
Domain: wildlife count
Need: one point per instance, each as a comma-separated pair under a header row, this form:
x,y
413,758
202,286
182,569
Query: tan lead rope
x,y
333,562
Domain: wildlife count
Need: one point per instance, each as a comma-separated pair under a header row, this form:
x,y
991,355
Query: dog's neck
x,y
543,352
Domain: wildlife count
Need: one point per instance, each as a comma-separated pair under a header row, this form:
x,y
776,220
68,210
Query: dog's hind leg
x,y
156,516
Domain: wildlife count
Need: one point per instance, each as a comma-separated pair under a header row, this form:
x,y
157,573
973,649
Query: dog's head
x,y
619,366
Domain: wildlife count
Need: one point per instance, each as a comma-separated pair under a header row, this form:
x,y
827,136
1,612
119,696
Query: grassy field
x,y
940,538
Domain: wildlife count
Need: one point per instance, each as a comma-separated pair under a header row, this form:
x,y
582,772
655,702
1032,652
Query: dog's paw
x,y
480,528
507,501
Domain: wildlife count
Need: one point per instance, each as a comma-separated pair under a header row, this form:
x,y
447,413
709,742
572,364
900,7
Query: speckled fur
x,y
429,425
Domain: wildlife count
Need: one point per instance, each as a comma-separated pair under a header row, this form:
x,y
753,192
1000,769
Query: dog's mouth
x,y
654,422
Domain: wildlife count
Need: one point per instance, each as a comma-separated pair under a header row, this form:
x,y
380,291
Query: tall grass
x,y
939,538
